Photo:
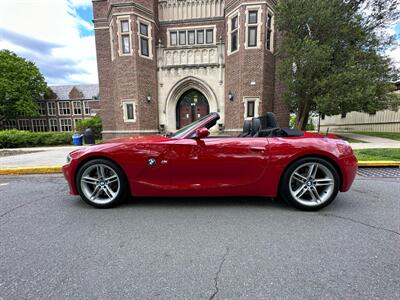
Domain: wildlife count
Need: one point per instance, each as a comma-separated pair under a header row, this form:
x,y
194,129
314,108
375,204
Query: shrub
x,y
93,123
17,138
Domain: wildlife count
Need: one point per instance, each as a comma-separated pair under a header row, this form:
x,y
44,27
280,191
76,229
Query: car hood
x,y
118,143
136,140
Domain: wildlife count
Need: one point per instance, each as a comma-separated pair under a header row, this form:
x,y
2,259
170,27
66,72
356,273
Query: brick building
x,y
67,105
165,63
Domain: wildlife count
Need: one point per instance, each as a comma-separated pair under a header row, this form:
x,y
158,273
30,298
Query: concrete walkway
x,y
37,156
370,142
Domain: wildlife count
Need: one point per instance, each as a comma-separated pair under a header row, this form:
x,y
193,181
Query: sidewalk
x,y
370,142
36,156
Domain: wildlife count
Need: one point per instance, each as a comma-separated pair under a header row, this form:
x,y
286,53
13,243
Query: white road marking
x,y
3,184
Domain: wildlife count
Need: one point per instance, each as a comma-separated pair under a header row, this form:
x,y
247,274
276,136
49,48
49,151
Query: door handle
x,y
258,149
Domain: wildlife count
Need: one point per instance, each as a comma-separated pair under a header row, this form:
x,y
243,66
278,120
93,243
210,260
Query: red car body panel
x,y
215,166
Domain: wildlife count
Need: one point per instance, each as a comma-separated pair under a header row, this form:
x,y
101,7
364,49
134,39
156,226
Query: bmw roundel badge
x,y
152,162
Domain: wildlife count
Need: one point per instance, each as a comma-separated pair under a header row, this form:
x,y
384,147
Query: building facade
x,y
166,63
61,112
382,121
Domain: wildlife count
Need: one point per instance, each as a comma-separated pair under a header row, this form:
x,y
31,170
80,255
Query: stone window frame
x,y
272,40
62,111
259,25
257,102
186,29
120,33
42,108
62,126
235,13
75,109
86,108
149,37
39,125
53,124
24,124
124,104
111,32
76,120
51,108
11,124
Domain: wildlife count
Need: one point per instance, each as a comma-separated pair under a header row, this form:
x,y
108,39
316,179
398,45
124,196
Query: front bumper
x,y
68,171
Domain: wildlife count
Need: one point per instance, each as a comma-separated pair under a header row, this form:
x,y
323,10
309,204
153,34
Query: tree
x,y
331,56
21,84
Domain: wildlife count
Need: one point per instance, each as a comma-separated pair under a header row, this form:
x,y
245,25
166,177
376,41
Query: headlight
x,y
69,158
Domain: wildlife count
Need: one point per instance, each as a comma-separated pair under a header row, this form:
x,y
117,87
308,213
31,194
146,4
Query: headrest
x,y
255,125
247,126
271,120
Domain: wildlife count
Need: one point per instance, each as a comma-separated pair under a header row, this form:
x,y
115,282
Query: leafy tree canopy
x,y
332,55
21,84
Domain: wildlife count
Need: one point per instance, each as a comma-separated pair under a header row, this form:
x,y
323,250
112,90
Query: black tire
x,y
285,185
118,197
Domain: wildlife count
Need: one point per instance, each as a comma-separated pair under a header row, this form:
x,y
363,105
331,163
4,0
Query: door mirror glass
x,y
202,133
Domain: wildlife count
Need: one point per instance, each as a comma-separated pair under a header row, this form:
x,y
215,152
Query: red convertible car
x,y
305,169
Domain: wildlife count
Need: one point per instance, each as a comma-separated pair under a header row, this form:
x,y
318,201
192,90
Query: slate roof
x,y
89,90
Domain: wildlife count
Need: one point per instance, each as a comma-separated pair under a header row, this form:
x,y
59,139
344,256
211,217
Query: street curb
x,y
58,169
379,163
31,170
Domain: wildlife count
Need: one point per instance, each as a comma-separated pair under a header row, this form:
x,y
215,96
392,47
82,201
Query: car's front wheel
x,y
101,183
310,184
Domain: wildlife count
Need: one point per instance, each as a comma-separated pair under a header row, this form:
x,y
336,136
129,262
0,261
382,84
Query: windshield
x,y
185,130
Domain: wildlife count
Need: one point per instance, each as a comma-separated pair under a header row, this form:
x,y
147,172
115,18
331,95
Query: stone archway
x,y
192,106
180,88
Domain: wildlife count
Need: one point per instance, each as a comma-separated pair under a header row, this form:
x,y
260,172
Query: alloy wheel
x,y
311,184
100,184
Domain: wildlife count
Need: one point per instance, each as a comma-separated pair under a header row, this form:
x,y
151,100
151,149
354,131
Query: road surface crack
x,y
17,207
217,275
360,222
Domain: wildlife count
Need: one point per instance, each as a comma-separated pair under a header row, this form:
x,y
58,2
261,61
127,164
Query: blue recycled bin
x,y
77,139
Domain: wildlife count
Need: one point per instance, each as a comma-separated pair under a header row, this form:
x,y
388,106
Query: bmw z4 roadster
x,y
306,169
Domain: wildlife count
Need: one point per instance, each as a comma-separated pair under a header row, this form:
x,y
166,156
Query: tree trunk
x,y
302,115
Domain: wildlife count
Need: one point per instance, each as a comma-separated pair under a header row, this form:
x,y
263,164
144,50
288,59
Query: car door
x,y
213,166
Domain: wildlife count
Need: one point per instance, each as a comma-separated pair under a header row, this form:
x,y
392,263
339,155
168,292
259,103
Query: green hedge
x,y
17,138
93,123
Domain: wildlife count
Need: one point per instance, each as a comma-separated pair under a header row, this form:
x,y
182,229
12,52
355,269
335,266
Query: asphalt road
x,y
53,246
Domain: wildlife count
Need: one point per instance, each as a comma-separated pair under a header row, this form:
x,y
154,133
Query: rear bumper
x,y
68,171
349,167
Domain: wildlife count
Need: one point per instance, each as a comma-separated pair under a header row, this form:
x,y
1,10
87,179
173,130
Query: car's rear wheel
x,y
101,183
310,184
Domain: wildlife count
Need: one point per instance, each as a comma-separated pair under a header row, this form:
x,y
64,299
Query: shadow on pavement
x,y
195,202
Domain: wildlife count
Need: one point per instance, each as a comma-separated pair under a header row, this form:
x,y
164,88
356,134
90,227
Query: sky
x,y
58,36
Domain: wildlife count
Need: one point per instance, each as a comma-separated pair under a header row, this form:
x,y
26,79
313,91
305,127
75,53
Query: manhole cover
x,y
379,172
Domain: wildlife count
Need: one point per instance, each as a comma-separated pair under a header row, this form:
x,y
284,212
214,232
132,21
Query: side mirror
x,y
202,133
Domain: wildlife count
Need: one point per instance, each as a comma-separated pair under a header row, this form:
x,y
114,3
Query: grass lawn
x,y
378,154
387,135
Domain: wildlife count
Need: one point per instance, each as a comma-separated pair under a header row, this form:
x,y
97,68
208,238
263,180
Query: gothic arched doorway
x,y
192,105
